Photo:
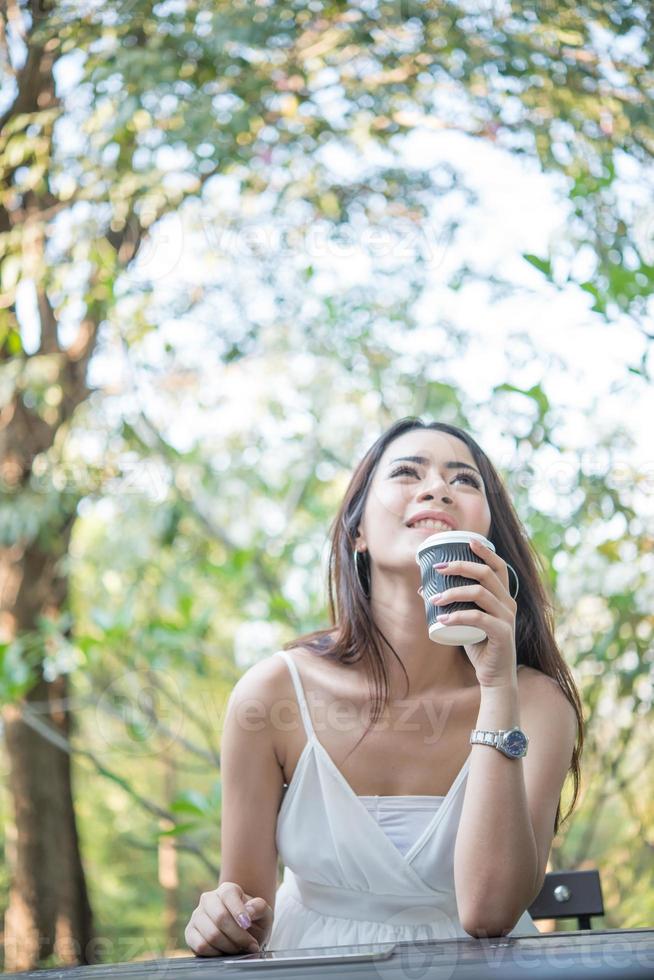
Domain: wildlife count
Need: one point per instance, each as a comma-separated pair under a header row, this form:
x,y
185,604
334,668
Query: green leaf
x,y
178,829
543,265
599,306
190,801
535,392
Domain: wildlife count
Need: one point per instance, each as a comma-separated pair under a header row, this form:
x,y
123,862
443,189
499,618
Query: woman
x,y
419,833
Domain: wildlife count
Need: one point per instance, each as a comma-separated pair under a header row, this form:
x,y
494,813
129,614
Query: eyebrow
x,y
452,465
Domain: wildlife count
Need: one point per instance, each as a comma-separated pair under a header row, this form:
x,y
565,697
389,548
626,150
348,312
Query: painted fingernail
x,y
244,921
441,564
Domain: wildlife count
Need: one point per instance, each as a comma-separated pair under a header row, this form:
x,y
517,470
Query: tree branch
x,y
165,731
183,844
35,80
55,738
211,755
216,532
59,741
49,340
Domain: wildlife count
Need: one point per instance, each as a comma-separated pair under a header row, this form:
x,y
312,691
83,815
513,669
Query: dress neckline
x,y
313,745
412,796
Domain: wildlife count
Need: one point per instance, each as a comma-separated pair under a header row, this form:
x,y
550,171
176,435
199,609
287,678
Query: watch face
x,y
515,744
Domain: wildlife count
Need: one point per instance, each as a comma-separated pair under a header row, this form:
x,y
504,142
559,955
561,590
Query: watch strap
x,y
478,736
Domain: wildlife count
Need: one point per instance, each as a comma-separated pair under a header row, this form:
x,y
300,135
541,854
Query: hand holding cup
x,y
468,603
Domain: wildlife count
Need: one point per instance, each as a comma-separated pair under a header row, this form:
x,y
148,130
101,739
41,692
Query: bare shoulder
x,y
541,696
266,681
533,683
266,689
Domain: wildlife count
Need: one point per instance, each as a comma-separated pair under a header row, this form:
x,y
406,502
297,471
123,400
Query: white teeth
x,y
430,522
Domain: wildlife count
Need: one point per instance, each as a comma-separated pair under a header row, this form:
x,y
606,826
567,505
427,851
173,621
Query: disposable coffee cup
x,y
449,546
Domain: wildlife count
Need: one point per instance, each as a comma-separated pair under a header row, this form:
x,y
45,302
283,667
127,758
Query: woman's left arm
x,y
507,820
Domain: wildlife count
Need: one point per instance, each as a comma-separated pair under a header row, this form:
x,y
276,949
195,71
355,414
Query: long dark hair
x,y
354,636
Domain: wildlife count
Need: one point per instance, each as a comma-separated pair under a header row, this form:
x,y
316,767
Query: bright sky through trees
x,y
518,211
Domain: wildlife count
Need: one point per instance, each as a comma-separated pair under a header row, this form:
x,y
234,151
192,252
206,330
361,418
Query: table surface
x,y
627,954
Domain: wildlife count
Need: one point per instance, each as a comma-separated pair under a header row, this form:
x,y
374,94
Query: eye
x,y
412,471
468,476
405,469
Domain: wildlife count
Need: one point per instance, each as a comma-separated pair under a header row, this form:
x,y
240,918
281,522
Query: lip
x,y
435,515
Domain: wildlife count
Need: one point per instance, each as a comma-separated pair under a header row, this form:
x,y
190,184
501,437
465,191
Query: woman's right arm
x,y
252,787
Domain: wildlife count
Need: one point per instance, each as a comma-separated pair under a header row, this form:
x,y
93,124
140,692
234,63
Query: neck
x,y
399,612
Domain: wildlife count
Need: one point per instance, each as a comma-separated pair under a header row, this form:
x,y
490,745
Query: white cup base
x,y
454,636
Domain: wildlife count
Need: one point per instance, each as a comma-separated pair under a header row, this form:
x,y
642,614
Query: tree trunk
x,y
49,910
49,907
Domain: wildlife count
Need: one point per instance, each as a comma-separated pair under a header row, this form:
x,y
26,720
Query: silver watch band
x,y
480,737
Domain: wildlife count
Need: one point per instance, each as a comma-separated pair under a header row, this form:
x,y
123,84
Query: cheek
x,y
390,499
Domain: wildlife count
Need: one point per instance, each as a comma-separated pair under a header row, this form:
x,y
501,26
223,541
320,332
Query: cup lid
x,y
452,537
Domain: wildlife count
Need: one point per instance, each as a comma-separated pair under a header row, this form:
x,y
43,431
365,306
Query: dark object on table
x,y
569,895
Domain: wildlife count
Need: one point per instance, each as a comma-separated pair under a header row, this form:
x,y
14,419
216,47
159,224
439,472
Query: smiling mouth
x,y
430,523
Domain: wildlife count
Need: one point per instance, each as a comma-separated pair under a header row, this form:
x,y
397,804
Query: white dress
x,y
345,880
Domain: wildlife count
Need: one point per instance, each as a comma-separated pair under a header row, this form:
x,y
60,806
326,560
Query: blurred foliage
x,y
188,564
162,96
167,622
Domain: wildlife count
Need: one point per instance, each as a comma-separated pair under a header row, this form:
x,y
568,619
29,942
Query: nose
x,y
434,493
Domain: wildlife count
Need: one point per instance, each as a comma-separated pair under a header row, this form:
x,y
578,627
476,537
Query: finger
x,y
493,560
466,569
215,936
258,908
262,918
485,599
481,573
223,917
199,945
493,627
234,899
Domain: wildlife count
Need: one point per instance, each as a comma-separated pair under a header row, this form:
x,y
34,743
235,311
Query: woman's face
x,y
444,479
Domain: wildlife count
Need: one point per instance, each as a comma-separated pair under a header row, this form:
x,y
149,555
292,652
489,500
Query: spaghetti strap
x,y
299,693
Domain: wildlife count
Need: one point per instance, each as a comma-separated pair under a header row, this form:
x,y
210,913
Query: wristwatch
x,y
512,742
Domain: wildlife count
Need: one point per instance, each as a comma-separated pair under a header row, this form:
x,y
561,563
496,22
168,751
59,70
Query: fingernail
x,y
443,618
441,564
436,596
249,909
244,921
